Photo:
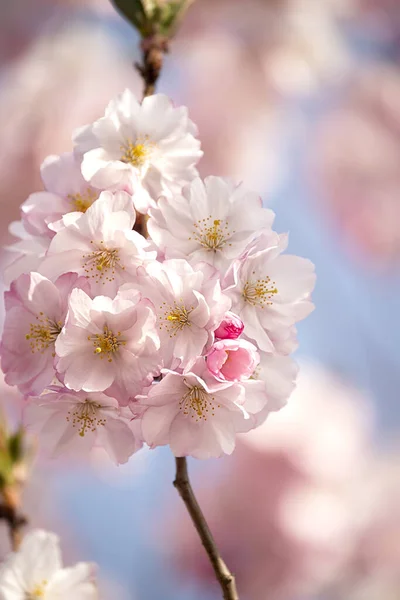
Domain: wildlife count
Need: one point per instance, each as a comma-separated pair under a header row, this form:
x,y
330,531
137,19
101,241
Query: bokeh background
x,y
301,99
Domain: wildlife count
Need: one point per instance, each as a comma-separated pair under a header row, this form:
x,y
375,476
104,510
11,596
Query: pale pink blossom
x,y
108,345
35,314
27,253
196,414
232,360
66,191
36,571
230,328
99,244
211,221
188,303
270,292
73,423
278,374
150,143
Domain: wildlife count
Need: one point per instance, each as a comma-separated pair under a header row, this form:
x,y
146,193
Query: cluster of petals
x,y
36,571
182,338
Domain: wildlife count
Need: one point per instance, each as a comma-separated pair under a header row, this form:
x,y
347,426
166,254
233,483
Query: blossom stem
x,y
153,48
15,520
222,573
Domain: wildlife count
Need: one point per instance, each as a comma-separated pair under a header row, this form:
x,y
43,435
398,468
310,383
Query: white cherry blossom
x,y
270,292
36,572
26,254
73,423
150,144
109,345
99,244
35,313
211,221
66,191
275,376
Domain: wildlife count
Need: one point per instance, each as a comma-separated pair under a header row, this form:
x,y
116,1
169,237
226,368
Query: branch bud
x,y
153,17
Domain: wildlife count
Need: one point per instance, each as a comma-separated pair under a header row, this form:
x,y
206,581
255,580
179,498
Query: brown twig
x,y
9,512
222,573
153,47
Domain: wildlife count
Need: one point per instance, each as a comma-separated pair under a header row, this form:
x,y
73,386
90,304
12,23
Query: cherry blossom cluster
x,y
181,338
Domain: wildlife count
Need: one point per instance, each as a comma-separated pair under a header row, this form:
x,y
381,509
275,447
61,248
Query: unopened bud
x,y
230,328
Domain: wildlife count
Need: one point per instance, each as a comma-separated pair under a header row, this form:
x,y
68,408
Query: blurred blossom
x,y
374,570
64,81
358,163
380,18
281,511
247,63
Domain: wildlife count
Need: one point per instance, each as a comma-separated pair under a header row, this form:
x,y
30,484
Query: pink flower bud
x,y
232,360
230,328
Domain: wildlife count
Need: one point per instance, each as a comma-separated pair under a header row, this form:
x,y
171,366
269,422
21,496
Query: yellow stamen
x,y
43,333
84,416
175,318
106,343
211,233
259,292
136,154
102,263
38,591
197,403
81,202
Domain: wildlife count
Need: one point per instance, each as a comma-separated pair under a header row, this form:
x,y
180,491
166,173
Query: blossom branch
x,y
222,573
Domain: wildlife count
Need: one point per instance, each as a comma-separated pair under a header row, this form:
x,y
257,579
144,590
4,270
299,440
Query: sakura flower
x,y
188,303
270,292
108,345
230,328
67,191
35,313
196,414
232,360
275,376
211,221
151,143
28,252
99,244
36,571
73,422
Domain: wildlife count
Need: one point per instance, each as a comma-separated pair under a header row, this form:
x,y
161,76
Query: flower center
x,y
175,318
211,233
197,403
259,292
38,591
138,153
84,416
43,333
102,263
81,202
107,343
